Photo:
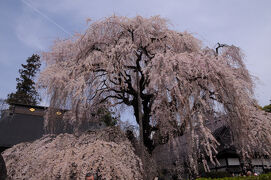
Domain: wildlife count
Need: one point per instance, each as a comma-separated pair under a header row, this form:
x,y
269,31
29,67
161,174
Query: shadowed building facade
x,y
21,123
25,123
175,151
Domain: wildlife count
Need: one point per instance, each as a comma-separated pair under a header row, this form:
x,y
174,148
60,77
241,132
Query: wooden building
x,y
25,123
20,123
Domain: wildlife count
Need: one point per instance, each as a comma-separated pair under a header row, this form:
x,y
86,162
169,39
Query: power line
x,y
46,17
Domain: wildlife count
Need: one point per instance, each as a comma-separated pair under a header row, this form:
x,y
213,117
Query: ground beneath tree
x,y
68,156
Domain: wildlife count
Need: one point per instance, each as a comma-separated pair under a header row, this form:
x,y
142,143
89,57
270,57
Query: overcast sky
x,y
31,26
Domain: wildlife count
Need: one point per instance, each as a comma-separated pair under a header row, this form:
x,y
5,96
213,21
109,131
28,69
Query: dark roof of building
x,y
29,106
224,137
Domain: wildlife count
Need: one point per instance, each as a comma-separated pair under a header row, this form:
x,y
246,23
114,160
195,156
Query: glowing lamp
x,y
32,109
58,113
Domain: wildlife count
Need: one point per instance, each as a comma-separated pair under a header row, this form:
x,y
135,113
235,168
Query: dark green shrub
x,y
261,177
221,174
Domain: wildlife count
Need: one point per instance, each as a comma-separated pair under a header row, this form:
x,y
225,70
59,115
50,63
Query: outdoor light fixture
x,y
32,109
58,113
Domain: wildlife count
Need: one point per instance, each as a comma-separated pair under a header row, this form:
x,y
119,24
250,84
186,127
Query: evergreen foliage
x,y
267,108
26,92
107,117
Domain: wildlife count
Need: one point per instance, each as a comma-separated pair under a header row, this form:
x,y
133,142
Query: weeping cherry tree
x,y
171,81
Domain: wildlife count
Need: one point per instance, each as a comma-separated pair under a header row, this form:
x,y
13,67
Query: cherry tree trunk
x,y
139,106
